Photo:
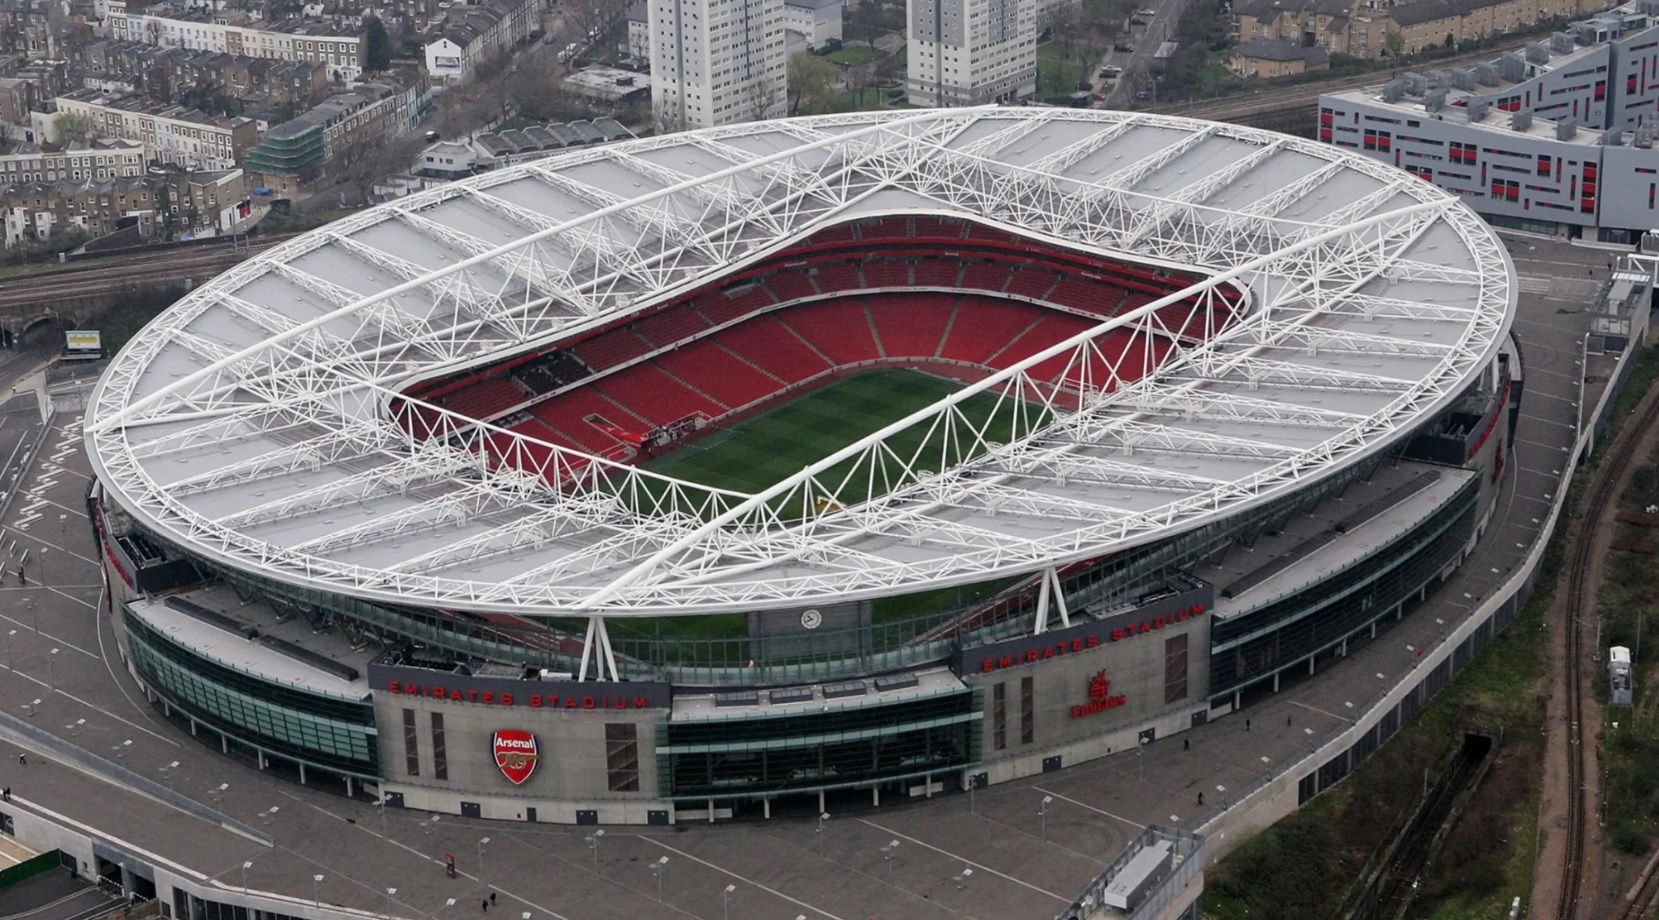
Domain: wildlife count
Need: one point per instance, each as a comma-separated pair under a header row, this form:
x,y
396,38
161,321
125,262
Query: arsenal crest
x,y
516,751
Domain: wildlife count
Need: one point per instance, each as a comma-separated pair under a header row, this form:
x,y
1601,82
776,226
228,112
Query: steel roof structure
x,y
253,422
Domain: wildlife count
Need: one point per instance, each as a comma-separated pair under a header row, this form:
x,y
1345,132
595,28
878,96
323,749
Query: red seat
x,y
984,326
722,308
675,324
770,345
838,328
790,285
911,325
610,349
711,369
486,398
656,397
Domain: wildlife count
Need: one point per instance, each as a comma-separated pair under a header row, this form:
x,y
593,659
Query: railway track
x,y
1581,604
106,276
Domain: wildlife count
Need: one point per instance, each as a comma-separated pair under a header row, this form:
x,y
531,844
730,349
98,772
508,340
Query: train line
x,y
107,276
1583,726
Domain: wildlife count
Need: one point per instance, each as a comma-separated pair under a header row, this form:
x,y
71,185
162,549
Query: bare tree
x,y
594,17
357,165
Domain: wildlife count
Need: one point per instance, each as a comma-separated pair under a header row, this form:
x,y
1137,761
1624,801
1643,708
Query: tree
x,y
1394,43
377,45
596,17
70,128
811,84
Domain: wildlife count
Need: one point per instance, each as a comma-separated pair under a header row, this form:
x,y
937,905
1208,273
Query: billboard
x,y
83,340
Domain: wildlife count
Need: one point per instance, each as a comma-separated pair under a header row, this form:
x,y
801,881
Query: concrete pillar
x,y
224,743
821,808
192,728
766,808
1310,665
1373,629
875,796
302,774
1275,681
349,788
927,785
1344,650
126,883
1238,699
711,811
261,760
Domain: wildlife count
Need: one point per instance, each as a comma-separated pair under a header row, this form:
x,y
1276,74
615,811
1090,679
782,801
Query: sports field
x,y
767,448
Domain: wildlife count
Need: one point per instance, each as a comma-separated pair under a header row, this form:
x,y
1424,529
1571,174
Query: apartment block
x,y
717,62
971,52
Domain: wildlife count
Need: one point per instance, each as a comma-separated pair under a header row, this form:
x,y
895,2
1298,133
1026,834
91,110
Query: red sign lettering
x,y
1100,698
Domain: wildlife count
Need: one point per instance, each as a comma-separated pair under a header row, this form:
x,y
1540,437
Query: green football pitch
x,y
765,449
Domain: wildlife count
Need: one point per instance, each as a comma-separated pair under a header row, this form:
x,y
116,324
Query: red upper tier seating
x,y
1032,282
790,285
721,307
839,328
985,276
837,276
675,324
911,325
612,348
486,398
938,272
1050,328
886,273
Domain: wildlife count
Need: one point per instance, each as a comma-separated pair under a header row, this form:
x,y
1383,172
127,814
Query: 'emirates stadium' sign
x,y
1169,611
516,753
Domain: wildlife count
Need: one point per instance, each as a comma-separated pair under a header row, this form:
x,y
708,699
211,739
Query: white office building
x,y
971,52
717,62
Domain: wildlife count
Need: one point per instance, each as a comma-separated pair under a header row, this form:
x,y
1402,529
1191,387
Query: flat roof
x,y
251,424
237,651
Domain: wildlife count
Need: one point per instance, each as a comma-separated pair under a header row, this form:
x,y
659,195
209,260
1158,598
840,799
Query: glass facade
x,y
319,730
1254,644
855,746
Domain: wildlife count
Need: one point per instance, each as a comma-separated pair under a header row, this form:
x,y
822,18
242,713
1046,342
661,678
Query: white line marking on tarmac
x,y
67,695
966,861
1137,825
1320,711
30,628
47,543
748,881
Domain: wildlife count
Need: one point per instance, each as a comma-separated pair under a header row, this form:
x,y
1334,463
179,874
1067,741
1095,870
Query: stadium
x,y
836,459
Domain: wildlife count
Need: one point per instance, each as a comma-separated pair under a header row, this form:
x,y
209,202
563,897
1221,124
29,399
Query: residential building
x,y
1558,138
971,52
608,85
101,159
174,205
1276,57
341,49
1379,28
180,136
815,21
17,100
292,155
639,31
716,62
476,34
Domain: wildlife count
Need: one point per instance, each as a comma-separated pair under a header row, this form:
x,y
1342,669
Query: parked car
x,y
1148,13
1110,73
1123,46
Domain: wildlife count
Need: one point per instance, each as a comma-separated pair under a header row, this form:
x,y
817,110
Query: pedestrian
x,y
1287,721
1186,744
492,897
22,760
1200,800
484,905
1246,724
6,794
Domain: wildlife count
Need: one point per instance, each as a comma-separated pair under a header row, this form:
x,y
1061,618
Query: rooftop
x,y
206,433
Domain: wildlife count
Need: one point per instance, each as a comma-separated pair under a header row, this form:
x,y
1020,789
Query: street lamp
x,y
9,659
245,867
593,844
657,869
268,815
120,749
822,817
726,902
482,842
429,825
1042,815
31,708
961,881
74,728
317,889
889,853
51,668
390,892
218,795
167,770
